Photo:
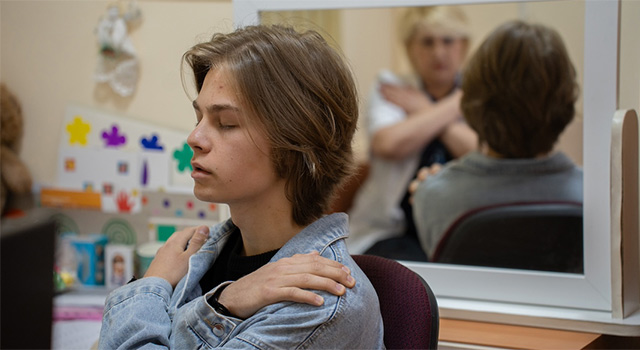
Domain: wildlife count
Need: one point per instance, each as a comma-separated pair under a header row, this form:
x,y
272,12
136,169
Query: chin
x,y
202,194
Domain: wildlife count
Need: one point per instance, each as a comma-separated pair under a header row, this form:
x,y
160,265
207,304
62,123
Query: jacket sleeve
x,y
136,316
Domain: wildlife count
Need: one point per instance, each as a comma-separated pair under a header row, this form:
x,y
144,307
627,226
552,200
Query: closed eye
x,y
222,126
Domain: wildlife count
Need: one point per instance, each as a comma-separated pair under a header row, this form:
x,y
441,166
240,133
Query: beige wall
x,y
630,56
49,51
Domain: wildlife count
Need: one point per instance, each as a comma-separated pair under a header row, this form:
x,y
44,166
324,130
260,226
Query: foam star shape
x,y
78,131
183,156
114,138
151,142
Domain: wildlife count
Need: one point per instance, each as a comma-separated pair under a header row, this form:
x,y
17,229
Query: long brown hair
x,y
300,91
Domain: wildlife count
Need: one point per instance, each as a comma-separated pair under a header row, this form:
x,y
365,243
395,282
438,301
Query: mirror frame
x,y
488,291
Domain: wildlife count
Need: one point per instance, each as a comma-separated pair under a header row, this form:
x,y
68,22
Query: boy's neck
x,y
489,152
265,227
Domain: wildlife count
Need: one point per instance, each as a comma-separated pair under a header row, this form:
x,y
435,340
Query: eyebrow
x,y
216,107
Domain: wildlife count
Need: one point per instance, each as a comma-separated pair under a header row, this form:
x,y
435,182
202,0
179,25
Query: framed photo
x,y
118,265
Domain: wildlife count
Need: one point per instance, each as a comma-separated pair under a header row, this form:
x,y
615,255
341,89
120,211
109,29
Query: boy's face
x,y
231,158
437,57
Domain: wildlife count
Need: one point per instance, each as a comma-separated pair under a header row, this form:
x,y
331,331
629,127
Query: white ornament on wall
x,y
118,63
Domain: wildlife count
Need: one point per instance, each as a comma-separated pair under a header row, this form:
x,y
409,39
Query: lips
x,y
198,170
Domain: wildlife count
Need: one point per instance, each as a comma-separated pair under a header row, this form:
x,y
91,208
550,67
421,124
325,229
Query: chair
x,y
408,306
530,236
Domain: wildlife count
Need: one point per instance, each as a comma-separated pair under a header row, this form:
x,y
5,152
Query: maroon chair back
x,y
407,303
542,236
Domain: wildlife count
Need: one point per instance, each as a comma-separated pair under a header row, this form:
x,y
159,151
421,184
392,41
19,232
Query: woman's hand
x,y
286,280
408,98
172,259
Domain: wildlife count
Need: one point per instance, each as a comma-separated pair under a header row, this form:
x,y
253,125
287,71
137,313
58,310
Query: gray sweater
x,y
476,180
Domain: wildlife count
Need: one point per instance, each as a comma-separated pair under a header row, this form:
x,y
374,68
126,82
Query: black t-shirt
x,y
231,265
436,152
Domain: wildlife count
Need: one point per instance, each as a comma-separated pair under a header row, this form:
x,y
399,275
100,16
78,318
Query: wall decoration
x,y
70,164
125,202
98,151
107,188
170,212
118,63
65,224
119,231
183,156
78,131
114,138
151,143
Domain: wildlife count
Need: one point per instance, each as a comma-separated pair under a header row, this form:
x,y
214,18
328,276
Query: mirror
x,y
371,43
488,291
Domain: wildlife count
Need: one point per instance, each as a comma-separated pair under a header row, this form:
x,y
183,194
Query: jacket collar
x,y
317,236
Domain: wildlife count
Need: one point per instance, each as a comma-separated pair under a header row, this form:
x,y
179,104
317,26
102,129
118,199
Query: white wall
x,y
49,52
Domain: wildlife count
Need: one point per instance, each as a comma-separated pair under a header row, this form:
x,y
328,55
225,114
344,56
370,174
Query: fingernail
x,y
203,231
350,279
339,288
319,300
346,269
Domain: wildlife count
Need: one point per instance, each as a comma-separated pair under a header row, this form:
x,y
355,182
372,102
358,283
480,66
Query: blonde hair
x,y
302,93
445,20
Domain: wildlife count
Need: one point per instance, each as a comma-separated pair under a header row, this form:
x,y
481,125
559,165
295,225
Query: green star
x,y
183,156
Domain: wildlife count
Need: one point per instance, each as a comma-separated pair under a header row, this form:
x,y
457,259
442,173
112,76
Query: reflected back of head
x,y
520,90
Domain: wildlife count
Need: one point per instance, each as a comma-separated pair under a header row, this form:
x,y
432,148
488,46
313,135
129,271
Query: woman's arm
x,y
423,125
459,139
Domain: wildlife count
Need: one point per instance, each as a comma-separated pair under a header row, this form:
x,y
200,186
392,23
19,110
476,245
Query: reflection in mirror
x,y
370,39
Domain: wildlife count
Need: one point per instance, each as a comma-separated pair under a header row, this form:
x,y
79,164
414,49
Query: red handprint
x,y
123,203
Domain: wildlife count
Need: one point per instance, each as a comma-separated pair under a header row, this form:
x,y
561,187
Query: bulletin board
x,y
116,157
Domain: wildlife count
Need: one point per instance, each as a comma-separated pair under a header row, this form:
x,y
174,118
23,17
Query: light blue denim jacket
x,y
147,314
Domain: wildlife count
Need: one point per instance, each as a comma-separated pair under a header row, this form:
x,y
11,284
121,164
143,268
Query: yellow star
x,y
78,131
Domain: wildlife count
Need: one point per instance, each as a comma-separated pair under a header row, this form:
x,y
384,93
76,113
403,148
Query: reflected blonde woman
x,y
412,122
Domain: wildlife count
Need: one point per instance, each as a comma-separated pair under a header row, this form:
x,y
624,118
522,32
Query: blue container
x,y
90,258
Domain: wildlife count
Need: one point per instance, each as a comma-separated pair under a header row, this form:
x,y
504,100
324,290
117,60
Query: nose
x,y
439,49
197,139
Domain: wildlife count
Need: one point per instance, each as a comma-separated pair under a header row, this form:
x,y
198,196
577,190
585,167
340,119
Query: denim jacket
x,y
147,314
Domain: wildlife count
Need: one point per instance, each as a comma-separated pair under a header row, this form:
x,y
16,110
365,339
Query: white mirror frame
x,y
557,300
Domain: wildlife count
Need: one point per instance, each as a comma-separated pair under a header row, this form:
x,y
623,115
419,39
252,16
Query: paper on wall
x,y
118,157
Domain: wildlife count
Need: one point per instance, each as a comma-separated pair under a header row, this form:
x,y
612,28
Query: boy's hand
x,y
172,259
286,280
422,176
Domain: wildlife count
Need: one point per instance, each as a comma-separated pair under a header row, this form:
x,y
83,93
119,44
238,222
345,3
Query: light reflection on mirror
x,y
370,41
